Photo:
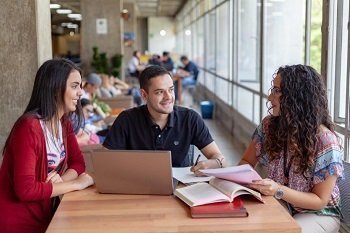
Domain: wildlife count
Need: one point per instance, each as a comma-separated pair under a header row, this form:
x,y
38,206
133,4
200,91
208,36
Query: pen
x,y
195,164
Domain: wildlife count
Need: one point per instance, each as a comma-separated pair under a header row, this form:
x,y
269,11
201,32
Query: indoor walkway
x,y
230,148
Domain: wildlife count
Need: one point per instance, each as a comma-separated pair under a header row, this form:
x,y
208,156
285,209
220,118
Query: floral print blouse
x,y
328,162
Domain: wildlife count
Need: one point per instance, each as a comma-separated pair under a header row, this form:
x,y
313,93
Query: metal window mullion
x,y
338,61
235,51
261,68
307,31
347,101
228,51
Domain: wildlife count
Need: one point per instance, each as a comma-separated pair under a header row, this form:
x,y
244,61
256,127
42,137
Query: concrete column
x,y
130,25
107,37
25,42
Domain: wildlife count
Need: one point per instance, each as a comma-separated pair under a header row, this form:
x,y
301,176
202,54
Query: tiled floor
x,y
225,141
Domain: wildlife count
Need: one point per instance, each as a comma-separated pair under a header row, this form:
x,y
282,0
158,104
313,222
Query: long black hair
x,y
48,93
49,88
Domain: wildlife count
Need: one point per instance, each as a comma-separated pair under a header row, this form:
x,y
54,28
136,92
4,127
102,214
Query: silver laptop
x,y
133,171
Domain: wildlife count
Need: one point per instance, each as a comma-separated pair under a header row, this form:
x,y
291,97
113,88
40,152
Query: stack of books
x,y
220,197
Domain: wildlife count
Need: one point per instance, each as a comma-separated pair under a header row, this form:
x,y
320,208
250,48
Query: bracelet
x,y
219,161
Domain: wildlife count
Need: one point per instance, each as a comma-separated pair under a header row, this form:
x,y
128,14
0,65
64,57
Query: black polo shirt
x,y
134,130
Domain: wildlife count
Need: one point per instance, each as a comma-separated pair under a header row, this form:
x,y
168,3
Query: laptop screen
x,y
133,171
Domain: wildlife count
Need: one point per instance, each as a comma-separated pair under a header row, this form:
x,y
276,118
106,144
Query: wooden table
x,y
88,211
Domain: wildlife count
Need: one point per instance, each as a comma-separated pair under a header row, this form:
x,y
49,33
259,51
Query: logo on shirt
x,y
176,143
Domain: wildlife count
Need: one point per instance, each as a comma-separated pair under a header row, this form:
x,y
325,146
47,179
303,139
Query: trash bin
x,y
207,109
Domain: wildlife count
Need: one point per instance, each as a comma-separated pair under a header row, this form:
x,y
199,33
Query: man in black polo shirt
x,y
159,125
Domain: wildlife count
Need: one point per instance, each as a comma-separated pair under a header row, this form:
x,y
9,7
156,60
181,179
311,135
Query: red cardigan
x,y
25,203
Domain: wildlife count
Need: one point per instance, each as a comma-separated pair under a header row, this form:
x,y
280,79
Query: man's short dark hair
x,y
151,72
183,58
165,53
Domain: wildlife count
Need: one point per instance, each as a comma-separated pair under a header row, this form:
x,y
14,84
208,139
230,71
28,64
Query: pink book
x,y
242,174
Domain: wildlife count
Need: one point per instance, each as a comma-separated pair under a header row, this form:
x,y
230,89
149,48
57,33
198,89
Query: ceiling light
x,y
55,6
72,25
75,16
162,32
188,32
63,11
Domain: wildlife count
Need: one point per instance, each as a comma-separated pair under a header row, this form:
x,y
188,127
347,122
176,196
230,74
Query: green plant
x,y
102,66
99,61
117,61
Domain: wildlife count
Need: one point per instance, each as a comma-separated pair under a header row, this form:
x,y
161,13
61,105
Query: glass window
x,y
341,62
222,88
284,40
188,42
222,40
245,102
338,77
248,43
210,81
316,34
210,42
200,41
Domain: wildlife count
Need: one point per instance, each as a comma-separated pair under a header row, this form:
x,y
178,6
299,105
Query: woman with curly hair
x,y
298,146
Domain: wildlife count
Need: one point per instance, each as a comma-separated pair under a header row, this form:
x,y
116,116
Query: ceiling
x,y
144,8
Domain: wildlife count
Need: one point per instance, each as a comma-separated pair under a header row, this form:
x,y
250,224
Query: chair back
x,y
344,187
188,161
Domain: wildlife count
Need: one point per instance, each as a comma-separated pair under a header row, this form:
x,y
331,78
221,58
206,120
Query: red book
x,y
220,210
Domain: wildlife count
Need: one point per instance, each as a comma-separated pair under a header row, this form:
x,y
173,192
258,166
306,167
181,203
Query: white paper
x,y
242,174
101,26
184,175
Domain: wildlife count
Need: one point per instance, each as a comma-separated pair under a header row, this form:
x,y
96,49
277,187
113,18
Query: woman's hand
x,y
53,177
267,187
84,180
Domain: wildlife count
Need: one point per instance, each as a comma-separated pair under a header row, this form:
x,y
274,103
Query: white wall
x,y
157,43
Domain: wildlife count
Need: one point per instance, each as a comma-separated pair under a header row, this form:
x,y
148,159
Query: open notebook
x,y
133,171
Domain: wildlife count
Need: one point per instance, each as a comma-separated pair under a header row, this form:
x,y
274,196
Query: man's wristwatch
x,y
279,193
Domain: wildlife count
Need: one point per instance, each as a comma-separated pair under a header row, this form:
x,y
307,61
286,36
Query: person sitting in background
x,y
155,60
41,156
91,131
159,125
134,65
167,62
120,84
91,89
299,147
107,89
188,73
91,86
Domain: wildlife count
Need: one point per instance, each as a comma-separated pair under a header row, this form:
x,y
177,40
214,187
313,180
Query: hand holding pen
x,y
195,164
196,170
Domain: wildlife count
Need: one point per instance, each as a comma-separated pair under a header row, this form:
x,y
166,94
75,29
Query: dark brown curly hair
x,y
303,108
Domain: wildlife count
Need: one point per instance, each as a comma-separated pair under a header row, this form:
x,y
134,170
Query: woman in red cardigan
x,y
42,159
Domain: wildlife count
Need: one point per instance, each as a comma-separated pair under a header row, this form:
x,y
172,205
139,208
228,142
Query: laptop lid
x,y
133,171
